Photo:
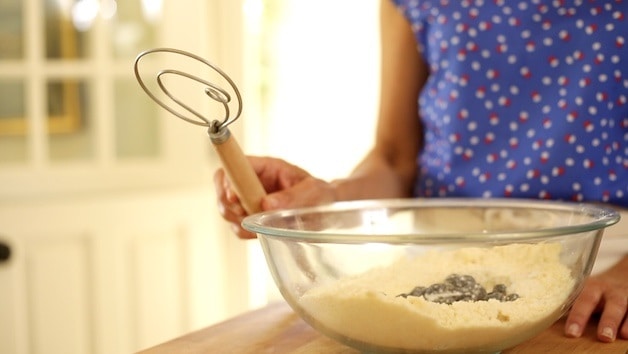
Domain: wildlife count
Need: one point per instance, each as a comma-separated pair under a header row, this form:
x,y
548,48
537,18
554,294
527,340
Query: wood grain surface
x,y
277,329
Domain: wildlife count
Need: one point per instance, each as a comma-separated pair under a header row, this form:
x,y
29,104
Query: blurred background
x,y
110,239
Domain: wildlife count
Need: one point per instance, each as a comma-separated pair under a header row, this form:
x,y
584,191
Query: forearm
x,y
389,169
376,178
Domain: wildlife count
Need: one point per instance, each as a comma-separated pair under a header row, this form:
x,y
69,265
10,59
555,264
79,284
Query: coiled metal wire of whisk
x,y
243,178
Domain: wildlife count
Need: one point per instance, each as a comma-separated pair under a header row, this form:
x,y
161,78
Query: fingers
x,y
623,331
229,205
288,186
583,308
242,233
613,315
597,295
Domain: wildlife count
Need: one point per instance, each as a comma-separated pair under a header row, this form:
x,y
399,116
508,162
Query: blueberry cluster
x,y
458,287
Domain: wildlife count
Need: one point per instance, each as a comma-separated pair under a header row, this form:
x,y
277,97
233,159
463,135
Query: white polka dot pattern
x,y
524,99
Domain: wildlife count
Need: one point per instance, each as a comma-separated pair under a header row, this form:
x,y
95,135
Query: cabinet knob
x,y
5,252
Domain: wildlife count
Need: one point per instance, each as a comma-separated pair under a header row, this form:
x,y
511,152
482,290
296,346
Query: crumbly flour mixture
x,y
366,307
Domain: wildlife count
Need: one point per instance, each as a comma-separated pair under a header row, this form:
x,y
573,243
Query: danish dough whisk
x,y
243,178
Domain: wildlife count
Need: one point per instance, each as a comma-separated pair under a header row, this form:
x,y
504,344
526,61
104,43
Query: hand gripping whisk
x,y
243,178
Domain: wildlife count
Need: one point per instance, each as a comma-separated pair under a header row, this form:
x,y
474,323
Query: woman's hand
x,y
607,294
287,185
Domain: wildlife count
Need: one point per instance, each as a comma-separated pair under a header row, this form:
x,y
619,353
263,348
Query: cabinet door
x,y
116,274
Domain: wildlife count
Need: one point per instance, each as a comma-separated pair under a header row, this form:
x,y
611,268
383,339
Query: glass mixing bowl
x,y
432,275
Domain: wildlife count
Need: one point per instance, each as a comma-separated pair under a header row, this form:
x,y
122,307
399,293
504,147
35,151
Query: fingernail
x,y
607,332
573,330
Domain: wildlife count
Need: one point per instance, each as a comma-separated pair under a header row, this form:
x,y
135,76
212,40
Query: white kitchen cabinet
x,y
106,201
115,274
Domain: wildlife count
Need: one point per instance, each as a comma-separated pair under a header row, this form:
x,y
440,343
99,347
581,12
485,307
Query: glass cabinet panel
x,y
136,121
134,27
12,112
13,122
65,27
70,123
11,33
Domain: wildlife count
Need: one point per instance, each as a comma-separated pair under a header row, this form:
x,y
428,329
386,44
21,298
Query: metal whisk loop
x,y
212,91
242,175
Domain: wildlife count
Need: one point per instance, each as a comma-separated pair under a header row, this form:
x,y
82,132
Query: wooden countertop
x,y
277,329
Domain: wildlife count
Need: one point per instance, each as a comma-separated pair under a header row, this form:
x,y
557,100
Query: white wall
x,y
326,90
324,110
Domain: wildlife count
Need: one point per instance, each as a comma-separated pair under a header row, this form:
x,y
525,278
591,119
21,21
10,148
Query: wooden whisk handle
x,y
243,178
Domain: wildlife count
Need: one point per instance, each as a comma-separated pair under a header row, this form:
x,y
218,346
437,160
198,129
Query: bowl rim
x,y
603,216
